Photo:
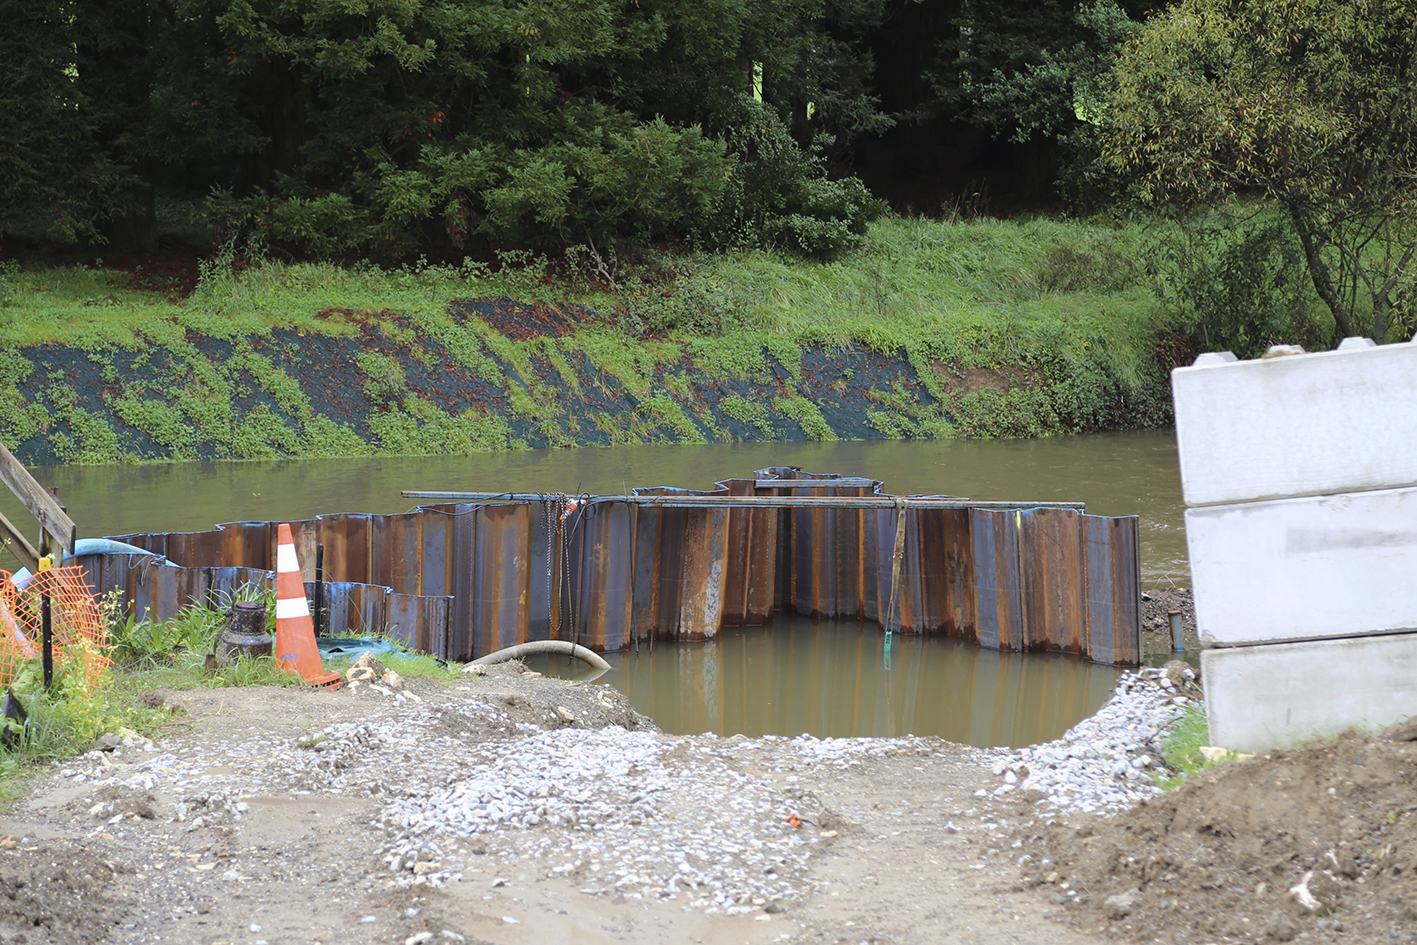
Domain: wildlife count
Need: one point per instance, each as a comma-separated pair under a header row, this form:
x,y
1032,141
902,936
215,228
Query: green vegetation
x,y
1180,746
1003,328
64,721
386,131
407,664
680,170
1295,104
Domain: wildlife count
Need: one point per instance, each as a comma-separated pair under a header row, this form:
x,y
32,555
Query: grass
x,y
1013,328
1180,748
407,664
65,720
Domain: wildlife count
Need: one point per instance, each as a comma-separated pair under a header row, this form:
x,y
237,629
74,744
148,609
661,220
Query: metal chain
x,y
557,508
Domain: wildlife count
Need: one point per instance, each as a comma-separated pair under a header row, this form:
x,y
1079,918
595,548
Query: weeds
x,y
65,719
1180,747
1063,303
187,669
407,664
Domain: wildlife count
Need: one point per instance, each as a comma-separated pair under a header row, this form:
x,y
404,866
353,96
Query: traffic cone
x,y
296,649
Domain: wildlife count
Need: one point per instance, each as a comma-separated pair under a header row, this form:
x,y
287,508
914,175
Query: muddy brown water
x,y
842,680
828,679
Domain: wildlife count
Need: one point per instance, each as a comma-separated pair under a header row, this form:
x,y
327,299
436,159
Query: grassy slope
x,y
996,329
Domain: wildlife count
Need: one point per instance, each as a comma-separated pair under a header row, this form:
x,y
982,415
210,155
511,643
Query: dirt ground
x,y
1220,859
919,858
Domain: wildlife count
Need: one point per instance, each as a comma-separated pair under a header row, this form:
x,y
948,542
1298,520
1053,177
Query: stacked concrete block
x,y
1299,473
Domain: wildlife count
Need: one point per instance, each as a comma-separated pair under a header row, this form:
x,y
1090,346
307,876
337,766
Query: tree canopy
x,y
1307,103
367,126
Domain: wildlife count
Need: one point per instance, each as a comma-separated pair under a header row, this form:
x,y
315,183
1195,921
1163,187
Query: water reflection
x,y
837,679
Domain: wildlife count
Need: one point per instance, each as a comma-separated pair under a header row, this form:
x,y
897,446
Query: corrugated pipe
x,y
564,647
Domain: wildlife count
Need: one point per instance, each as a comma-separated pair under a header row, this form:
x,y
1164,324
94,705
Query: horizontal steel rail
x,y
758,501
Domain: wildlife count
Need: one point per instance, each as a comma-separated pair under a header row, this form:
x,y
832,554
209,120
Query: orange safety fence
x,y
76,622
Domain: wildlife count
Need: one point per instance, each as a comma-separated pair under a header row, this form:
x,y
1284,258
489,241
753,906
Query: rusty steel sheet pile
x,y
462,579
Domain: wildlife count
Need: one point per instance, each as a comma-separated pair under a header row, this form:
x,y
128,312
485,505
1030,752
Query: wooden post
x,y
43,506
18,544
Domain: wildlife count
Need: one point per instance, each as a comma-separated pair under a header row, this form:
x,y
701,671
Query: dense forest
x,y
384,128
1278,134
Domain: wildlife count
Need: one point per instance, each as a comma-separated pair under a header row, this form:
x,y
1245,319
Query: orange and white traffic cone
x,y
296,649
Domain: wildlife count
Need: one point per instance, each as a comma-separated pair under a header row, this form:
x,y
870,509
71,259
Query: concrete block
x,y
1305,424
1275,696
1295,569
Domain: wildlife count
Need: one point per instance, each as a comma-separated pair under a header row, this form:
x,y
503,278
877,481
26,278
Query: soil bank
x,y
497,374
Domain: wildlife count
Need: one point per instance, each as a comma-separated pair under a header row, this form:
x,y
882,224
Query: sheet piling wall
x,y
460,580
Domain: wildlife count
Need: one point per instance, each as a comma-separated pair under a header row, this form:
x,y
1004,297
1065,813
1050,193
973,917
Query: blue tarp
x,y
353,647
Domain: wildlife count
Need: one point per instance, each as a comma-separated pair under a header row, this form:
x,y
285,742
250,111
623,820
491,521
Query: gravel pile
x,y
1108,761
647,816
623,813
414,752
633,814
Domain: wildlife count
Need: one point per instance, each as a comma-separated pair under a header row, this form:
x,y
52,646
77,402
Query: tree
x,y
355,126
416,125
1034,73
53,174
1059,93
1306,103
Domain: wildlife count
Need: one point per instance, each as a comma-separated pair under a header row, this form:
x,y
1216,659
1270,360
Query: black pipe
x,y
320,589
46,630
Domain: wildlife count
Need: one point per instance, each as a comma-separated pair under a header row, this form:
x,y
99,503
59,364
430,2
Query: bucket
x,y
244,633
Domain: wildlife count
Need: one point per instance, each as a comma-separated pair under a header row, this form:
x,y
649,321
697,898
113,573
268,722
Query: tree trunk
x,y
1319,273
136,232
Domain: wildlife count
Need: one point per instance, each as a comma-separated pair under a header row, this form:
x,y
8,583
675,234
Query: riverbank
x,y
930,330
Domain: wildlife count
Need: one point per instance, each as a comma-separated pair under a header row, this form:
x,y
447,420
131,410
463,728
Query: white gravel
x,y
623,813
1108,761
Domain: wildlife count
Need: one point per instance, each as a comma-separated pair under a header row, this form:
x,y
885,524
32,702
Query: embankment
x,y
494,374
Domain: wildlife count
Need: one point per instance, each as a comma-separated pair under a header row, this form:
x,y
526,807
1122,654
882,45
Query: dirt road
x,y
212,847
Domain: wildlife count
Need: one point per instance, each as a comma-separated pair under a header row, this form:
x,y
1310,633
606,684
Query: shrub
x,y
779,195
1237,280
